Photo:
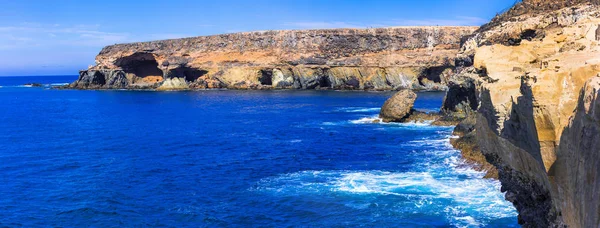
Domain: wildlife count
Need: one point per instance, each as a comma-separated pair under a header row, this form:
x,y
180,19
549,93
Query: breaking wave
x,y
358,109
376,120
440,184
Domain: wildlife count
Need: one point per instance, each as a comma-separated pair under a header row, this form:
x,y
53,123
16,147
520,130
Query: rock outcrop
x,y
399,107
530,79
357,59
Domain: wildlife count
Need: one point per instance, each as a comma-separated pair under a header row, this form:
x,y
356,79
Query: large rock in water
x,y
398,107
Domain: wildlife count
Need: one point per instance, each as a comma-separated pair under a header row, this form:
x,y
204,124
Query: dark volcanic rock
x,y
461,98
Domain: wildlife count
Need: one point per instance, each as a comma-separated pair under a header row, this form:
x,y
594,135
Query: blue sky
x,y
41,37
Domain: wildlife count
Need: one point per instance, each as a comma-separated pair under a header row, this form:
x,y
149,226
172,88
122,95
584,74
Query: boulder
x,y
399,107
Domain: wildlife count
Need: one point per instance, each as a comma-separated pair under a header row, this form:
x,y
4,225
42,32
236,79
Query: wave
x,y
18,86
57,84
376,120
464,201
358,109
330,124
31,86
438,143
440,184
367,120
428,110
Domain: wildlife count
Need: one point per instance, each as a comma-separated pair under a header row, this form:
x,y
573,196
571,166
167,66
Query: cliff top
x,y
527,7
341,31
293,38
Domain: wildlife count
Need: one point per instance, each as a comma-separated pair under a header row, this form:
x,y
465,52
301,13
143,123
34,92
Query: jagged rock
x,y
281,80
460,99
344,59
399,107
101,79
174,84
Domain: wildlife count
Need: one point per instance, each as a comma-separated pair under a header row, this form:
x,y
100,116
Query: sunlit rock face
x,y
535,79
418,58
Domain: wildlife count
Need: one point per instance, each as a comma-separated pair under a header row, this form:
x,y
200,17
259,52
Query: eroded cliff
x,y
361,59
532,77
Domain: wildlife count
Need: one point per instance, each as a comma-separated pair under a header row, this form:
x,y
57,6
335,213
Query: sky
x,y
61,37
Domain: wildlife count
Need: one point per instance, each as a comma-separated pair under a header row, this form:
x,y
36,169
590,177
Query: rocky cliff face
x,y
531,75
361,59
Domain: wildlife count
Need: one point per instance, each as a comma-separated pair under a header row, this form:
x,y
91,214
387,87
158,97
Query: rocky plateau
x,y
419,58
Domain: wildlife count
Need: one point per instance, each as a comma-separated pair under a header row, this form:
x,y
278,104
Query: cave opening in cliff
x,y
324,82
188,73
143,65
193,74
433,74
266,77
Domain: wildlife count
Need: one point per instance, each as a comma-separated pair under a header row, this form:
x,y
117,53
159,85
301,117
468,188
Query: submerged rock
x,y
399,107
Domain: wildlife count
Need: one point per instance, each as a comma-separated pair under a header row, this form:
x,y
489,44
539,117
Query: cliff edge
x,y
361,59
530,78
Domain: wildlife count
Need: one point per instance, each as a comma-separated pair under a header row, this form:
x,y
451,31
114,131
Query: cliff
x,y
361,59
530,78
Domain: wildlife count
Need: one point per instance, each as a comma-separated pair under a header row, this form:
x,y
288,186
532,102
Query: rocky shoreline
x,y
399,108
522,90
526,94
529,80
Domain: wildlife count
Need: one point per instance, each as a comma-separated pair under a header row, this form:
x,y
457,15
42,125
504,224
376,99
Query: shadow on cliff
x,y
487,110
577,168
532,199
520,127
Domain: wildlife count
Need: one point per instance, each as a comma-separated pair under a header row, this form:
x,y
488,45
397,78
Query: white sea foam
x,y
374,119
439,183
359,109
427,110
330,123
443,143
443,185
367,120
59,84
462,200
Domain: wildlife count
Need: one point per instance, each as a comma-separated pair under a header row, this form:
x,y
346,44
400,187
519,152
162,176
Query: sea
x,y
223,158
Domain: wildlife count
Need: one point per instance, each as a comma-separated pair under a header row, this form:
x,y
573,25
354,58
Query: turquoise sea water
x,y
230,158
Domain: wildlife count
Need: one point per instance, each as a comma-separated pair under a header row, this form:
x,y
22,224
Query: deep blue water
x,y
230,158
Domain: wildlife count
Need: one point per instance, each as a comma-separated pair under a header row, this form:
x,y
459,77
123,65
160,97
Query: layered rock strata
x,y
530,79
358,59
